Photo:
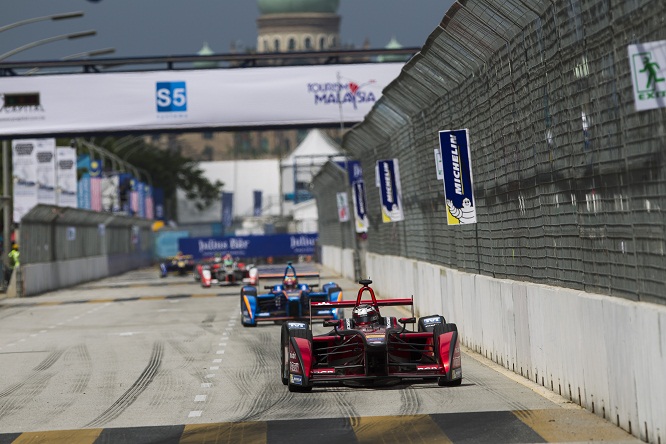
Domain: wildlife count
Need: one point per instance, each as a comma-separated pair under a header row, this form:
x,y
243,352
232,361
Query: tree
x,y
168,170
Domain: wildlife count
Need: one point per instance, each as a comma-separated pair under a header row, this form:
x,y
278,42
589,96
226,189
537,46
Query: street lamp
x,y
55,17
6,199
72,36
79,55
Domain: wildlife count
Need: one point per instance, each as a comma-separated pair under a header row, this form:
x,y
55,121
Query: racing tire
x,y
284,355
438,330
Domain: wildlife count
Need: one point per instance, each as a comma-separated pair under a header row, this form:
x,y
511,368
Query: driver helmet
x,y
365,314
228,260
290,282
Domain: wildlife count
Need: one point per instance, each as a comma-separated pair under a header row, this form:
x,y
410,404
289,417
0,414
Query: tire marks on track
x,y
49,360
18,396
144,380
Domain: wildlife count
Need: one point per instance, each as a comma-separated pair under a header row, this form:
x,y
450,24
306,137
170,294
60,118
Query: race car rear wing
x,y
373,301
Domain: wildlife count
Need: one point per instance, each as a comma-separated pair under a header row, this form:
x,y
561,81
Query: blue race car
x,y
289,299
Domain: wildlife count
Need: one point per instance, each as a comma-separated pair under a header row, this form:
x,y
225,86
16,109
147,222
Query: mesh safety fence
x,y
568,177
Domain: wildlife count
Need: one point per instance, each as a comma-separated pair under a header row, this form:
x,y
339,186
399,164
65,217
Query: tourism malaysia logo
x,y
342,92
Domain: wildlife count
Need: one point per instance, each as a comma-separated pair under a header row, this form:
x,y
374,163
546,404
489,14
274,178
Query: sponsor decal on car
x,y
296,379
456,373
296,325
292,355
427,367
375,338
262,314
294,367
433,320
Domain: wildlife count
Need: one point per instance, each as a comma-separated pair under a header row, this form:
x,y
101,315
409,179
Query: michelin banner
x,y
648,74
458,183
180,99
387,178
360,211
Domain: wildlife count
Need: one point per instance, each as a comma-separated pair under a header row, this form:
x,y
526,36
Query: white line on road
x,y
200,398
194,413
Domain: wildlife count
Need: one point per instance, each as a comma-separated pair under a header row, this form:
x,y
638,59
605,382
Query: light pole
x,y
72,36
6,199
79,55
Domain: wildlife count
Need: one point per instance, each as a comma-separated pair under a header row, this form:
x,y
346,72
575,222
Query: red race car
x,y
369,348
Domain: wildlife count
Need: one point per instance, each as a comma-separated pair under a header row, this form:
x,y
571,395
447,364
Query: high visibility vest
x,y
14,258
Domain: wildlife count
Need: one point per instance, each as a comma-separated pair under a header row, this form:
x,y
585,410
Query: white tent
x,y
306,160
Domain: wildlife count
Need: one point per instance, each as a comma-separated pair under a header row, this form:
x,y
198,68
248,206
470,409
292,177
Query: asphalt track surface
x,y
139,359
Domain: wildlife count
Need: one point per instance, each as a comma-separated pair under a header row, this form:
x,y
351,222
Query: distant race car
x,y
369,348
223,273
289,299
180,264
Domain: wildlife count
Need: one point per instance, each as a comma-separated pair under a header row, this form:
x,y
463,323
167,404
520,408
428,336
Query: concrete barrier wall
x,y
604,353
339,260
49,276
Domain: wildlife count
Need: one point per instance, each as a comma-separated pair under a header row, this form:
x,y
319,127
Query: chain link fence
x,y
568,178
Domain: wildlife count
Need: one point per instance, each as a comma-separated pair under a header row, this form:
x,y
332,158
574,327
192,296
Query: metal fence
x,y
330,181
568,178
52,234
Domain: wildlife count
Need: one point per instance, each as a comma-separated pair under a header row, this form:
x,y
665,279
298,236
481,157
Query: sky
x,y
137,28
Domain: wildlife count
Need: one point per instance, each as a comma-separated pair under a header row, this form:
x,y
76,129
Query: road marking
x,y
217,361
210,375
220,352
206,385
200,398
411,428
194,413
215,367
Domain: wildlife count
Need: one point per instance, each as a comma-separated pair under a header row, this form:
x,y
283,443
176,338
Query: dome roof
x,y
292,6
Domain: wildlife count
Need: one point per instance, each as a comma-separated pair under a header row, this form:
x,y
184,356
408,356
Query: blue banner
x,y
388,181
354,170
257,202
141,189
83,192
458,183
158,202
227,209
276,245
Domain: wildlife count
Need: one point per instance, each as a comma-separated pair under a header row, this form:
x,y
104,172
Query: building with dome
x,y
298,25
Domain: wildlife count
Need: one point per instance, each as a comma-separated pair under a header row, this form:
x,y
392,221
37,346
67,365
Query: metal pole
x,y
7,215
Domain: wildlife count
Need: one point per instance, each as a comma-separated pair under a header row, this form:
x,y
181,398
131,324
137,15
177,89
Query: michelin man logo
x,y
466,214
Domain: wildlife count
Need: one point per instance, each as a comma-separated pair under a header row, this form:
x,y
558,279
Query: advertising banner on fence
x,y
275,245
648,74
387,176
24,168
458,183
66,177
343,207
360,211
181,99
46,172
